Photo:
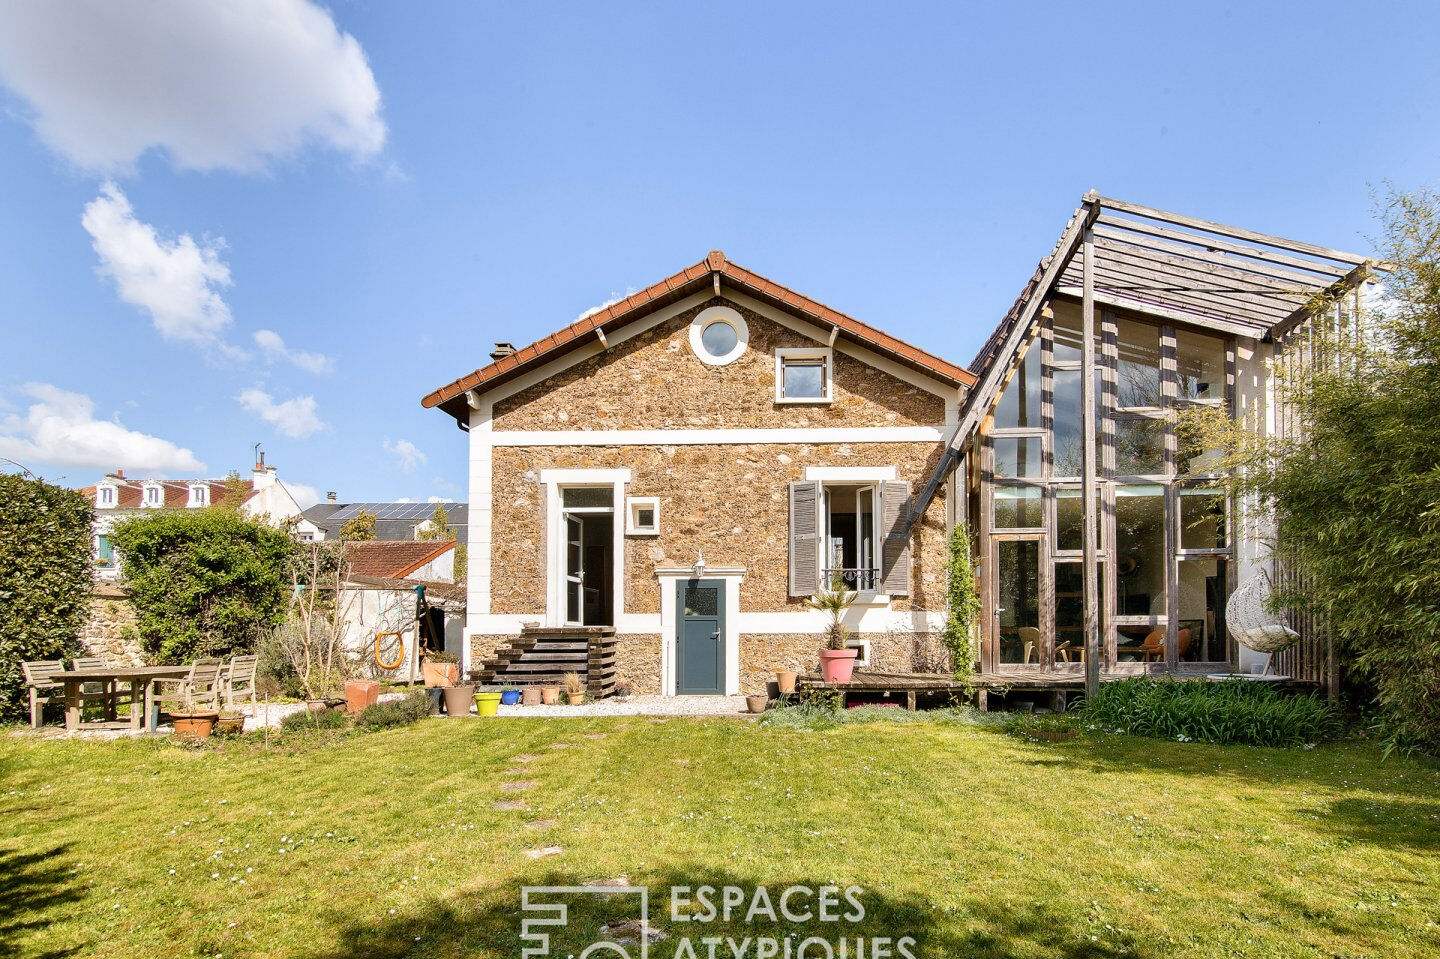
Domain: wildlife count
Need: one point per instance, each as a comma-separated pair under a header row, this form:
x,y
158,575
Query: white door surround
x,y
732,577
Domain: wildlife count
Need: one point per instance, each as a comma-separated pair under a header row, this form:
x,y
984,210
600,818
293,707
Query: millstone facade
x,y
705,459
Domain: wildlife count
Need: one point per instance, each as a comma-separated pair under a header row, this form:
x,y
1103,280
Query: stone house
x,y
689,464
118,497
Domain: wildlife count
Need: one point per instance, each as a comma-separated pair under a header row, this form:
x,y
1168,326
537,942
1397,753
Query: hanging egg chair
x,y
1248,617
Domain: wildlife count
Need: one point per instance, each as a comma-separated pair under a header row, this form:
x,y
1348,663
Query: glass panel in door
x,y
1017,600
574,569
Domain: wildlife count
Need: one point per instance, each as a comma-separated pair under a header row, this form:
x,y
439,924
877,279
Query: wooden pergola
x,y
1125,256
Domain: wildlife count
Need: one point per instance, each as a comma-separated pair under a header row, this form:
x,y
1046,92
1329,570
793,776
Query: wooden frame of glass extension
x,y
1013,479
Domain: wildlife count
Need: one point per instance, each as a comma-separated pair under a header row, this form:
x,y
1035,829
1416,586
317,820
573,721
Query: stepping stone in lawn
x,y
540,823
544,852
523,758
519,785
506,805
596,735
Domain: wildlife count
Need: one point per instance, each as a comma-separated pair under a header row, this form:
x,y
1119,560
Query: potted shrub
x,y
440,668
837,661
530,696
510,695
550,696
230,722
574,689
487,701
457,699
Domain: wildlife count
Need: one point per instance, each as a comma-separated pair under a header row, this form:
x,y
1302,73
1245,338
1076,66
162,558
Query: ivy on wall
x,y
963,603
45,579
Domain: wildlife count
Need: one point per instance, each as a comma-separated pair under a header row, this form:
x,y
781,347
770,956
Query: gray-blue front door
x,y
700,637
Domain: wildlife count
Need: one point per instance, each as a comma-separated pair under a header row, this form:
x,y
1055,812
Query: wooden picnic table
x,y
141,706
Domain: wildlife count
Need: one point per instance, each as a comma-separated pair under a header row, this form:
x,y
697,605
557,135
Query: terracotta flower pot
x,y
230,725
575,699
530,696
457,699
757,704
360,693
785,681
196,725
837,665
550,696
440,674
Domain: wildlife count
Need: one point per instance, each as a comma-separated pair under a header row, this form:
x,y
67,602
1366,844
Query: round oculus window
x,y
718,335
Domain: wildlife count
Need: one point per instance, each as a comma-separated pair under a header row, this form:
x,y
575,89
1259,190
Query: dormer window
x,y
154,495
199,495
105,497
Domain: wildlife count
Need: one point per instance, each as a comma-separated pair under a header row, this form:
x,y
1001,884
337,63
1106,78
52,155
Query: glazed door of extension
x,y
700,637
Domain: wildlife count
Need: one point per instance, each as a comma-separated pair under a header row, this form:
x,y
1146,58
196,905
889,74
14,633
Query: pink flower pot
x,y
837,665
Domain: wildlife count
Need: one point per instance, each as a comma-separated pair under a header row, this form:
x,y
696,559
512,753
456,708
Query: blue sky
x,y
388,188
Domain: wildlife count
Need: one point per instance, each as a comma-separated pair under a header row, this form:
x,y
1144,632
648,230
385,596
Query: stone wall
x,y
732,501
761,655
655,381
110,631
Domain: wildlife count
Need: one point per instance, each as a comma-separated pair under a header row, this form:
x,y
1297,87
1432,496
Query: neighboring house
x,y
1186,314
117,497
393,521
714,413
379,596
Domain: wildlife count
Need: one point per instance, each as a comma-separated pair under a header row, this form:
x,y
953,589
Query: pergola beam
x,y
1346,283
1215,243
1157,282
1115,301
1194,261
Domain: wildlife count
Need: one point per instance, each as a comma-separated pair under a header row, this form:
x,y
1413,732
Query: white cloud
x,y
274,348
305,494
435,499
406,453
614,298
221,83
176,281
60,428
294,417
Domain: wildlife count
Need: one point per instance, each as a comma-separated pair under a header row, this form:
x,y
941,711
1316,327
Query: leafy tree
x,y
359,529
45,579
439,529
237,491
1356,496
204,582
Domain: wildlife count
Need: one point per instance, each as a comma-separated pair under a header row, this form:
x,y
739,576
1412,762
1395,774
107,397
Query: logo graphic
x,y
544,909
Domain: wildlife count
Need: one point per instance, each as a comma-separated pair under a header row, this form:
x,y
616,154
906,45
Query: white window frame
x,y
199,495
152,495
105,496
804,353
633,505
877,493
553,481
719,314
855,642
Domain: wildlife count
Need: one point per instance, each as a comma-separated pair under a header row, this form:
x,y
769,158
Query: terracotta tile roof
x,y
130,493
671,289
394,559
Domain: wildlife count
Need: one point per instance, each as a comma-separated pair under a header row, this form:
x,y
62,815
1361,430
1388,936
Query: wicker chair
x,y
1248,617
202,688
240,679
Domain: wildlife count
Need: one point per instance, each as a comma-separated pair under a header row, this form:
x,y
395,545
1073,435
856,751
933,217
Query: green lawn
x,y
973,842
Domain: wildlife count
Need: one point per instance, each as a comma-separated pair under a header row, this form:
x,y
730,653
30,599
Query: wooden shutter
x,y
804,538
895,556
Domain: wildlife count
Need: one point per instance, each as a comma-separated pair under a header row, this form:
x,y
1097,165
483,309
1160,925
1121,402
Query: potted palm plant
x,y
837,661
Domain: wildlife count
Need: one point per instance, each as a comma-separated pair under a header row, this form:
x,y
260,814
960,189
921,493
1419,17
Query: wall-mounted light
x,y
700,564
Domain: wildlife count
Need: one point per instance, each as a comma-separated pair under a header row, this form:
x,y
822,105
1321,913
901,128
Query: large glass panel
x,y
1139,445
587,497
803,379
1203,589
1070,610
1140,550
1018,456
1017,595
1066,345
1019,405
1200,360
1138,371
1067,427
1069,516
1192,456
1018,507
1202,519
